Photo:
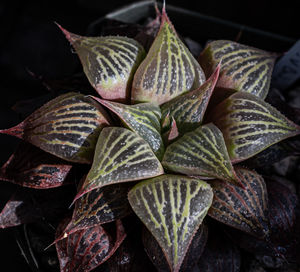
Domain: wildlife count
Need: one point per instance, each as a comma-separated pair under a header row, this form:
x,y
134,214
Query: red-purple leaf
x,y
242,208
31,167
28,205
86,249
67,126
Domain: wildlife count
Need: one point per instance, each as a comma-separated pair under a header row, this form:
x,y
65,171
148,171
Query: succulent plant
x,y
157,155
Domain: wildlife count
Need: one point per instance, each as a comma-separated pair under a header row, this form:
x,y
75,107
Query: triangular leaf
x,y
242,208
67,126
243,68
31,167
86,249
172,208
168,70
97,207
120,156
108,62
144,119
201,152
188,109
250,125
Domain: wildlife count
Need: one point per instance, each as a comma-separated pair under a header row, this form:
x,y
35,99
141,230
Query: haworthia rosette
x,y
120,156
143,118
201,152
243,68
108,62
242,208
250,125
172,208
188,109
67,126
168,70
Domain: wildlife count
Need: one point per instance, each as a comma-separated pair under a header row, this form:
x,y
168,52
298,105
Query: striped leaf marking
x,y
67,126
172,208
120,156
108,62
86,249
143,118
242,208
168,70
243,68
31,167
201,152
188,109
250,125
97,207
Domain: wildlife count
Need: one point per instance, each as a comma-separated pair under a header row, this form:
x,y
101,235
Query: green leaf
x,y
242,208
168,70
67,126
144,119
243,68
120,156
201,152
108,62
250,125
188,109
172,208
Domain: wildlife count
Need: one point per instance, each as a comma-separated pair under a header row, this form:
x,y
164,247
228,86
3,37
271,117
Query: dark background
x,y
31,41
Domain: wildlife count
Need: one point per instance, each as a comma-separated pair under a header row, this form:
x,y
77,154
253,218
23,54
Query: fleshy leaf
x,y
242,208
172,208
99,206
243,68
144,119
31,167
250,125
86,249
120,156
67,126
188,109
28,205
108,62
201,152
168,70
220,255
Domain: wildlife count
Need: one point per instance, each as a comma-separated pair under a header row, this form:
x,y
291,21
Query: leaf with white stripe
x,y
243,68
67,127
201,152
172,208
143,118
108,62
250,125
242,208
168,70
188,109
120,156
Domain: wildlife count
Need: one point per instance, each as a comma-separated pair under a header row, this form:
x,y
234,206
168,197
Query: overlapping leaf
x,y
144,119
120,156
242,208
250,125
188,109
201,152
243,68
31,167
172,208
168,70
99,206
108,62
67,126
86,249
